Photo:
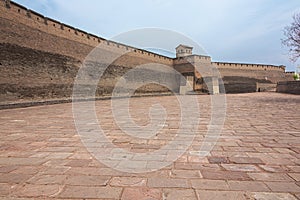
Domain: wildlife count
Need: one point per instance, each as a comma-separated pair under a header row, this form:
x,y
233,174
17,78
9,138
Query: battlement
x,y
18,13
26,32
192,59
248,66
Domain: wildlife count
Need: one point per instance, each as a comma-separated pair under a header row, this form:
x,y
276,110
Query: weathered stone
x,y
87,180
224,175
218,160
205,184
142,194
241,167
271,196
246,160
167,183
283,186
270,177
85,192
38,190
128,181
253,186
220,195
182,194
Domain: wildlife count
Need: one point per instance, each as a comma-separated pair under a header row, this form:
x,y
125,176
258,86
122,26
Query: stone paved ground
x,y
256,157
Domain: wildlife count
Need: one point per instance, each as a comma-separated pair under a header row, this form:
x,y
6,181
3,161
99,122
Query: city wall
x,y
291,87
40,57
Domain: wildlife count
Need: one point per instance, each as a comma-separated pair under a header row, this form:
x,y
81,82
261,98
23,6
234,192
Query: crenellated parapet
x,y
226,65
20,14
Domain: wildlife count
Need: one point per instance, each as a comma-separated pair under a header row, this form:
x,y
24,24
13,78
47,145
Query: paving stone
x,y
220,195
167,183
94,171
297,195
47,179
128,181
283,186
21,161
225,175
205,184
179,194
4,189
271,196
87,180
58,155
60,170
197,159
274,168
240,167
294,168
31,170
141,194
270,177
7,169
79,163
195,166
85,192
252,186
295,176
14,178
277,161
255,158
245,160
83,156
185,174
218,160
38,190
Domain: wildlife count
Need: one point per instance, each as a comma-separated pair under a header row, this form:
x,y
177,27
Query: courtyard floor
x,y
256,156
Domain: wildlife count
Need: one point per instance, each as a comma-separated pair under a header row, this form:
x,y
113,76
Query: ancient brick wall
x,y
260,72
40,57
291,87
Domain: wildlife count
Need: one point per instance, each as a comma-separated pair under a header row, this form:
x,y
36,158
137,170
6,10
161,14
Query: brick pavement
x,y
256,156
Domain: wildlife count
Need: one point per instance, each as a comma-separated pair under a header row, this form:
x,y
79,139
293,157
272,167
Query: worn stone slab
x,y
38,190
270,177
225,175
128,182
245,160
283,186
167,183
206,184
142,194
85,180
179,194
85,192
271,196
252,186
241,167
14,178
220,195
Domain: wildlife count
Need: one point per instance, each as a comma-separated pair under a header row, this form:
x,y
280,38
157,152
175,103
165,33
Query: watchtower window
x,y
19,10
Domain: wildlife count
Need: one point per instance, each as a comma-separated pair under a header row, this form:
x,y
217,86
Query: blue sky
x,y
247,31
